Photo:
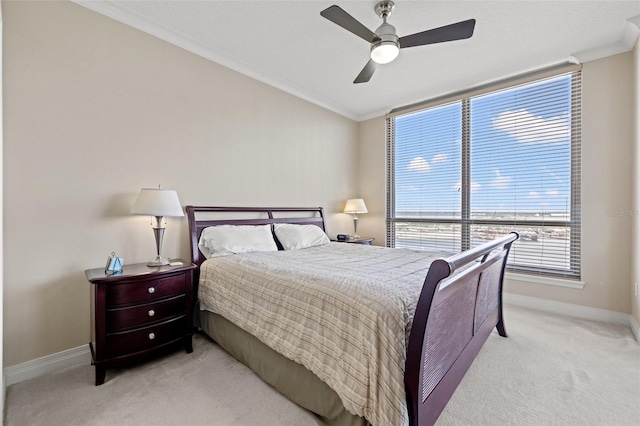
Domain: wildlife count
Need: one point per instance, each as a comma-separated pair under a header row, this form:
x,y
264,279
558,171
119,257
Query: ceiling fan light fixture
x,y
384,52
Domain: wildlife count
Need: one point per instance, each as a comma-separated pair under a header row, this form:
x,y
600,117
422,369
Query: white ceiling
x,y
287,44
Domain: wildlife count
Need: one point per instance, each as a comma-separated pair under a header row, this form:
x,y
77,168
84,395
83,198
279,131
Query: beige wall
x,y
372,177
94,111
635,249
606,185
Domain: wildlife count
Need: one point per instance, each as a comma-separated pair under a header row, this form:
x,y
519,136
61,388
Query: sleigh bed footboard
x,y
455,315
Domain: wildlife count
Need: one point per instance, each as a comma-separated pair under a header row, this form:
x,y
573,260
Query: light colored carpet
x,y
552,370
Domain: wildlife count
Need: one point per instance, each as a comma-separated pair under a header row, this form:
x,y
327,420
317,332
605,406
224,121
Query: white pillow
x,y
294,237
231,239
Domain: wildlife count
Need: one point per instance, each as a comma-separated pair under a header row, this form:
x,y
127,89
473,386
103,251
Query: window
x,y
477,167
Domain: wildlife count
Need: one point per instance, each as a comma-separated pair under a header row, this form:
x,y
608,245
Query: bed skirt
x,y
288,377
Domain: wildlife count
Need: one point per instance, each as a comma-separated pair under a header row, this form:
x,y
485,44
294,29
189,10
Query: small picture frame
x,y
114,264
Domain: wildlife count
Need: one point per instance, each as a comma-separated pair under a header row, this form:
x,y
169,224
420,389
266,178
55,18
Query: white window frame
x,y
465,221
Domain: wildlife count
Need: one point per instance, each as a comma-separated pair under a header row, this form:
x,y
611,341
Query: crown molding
x,y
164,33
628,41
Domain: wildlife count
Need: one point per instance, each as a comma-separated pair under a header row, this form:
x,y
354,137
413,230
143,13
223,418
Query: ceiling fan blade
x,y
457,31
367,72
338,16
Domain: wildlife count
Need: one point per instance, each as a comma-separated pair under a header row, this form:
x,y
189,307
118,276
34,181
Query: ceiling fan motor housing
x,y
387,47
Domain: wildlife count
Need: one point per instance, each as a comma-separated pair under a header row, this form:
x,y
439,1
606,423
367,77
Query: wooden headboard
x,y
247,216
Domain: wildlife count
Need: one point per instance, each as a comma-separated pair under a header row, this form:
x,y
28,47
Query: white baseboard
x,y
576,311
635,328
47,364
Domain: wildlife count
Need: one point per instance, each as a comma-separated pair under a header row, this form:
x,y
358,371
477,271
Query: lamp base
x,y
158,261
355,235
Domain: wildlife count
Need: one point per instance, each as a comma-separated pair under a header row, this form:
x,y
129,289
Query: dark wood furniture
x,y
455,314
315,217
364,241
138,313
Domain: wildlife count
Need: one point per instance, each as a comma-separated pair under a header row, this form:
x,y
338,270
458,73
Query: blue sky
x,y
512,169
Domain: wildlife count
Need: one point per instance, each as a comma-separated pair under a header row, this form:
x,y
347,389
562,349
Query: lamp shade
x,y
157,202
355,205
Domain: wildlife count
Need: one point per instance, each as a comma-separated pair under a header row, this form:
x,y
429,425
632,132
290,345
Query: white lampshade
x,y
157,202
355,205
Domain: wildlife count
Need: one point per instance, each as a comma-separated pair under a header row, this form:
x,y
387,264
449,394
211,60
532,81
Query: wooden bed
x,y
455,314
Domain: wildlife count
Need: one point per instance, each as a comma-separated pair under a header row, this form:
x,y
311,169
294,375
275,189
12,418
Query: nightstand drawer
x,y
130,293
129,342
137,316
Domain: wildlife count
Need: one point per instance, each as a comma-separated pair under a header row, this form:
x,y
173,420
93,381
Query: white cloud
x,y
439,158
411,188
419,164
552,174
551,192
519,125
533,194
501,182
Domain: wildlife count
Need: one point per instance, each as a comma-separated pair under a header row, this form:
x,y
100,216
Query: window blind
x,y
467,171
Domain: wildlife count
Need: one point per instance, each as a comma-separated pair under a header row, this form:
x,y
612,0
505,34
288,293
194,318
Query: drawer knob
x,y
151,290
152,336
151,312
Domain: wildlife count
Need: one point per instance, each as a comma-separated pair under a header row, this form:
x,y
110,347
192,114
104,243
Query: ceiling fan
x,y
385,43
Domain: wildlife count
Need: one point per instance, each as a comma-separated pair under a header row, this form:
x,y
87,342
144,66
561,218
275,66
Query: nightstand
x,y
365,241
138,313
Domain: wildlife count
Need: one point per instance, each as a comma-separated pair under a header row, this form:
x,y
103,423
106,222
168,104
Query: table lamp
x,y
158,203
355,206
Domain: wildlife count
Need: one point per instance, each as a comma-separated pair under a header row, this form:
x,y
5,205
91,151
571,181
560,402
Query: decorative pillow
x,y
294,237
224,240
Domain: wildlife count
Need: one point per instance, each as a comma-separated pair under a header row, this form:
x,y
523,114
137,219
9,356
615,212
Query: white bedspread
x,y
344,311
